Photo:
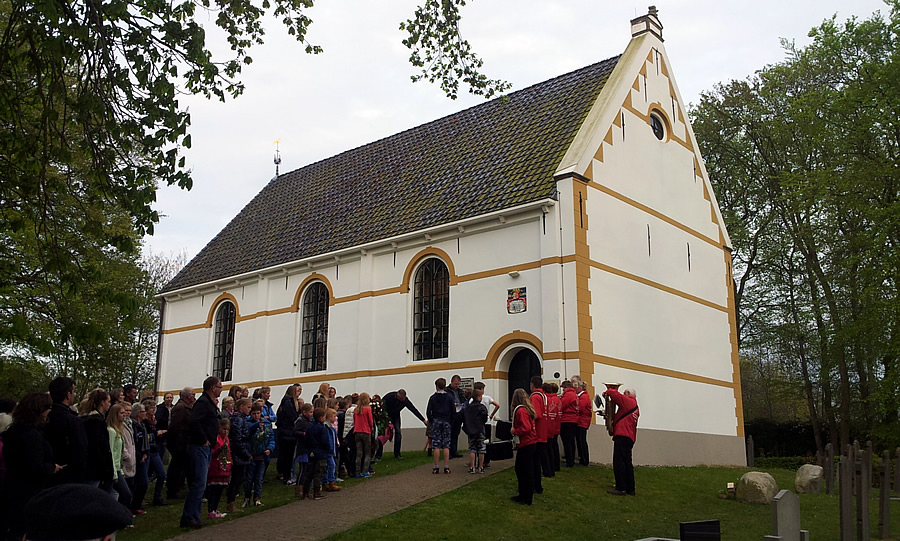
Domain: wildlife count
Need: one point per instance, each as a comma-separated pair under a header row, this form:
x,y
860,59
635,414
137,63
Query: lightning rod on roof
x,y
277,159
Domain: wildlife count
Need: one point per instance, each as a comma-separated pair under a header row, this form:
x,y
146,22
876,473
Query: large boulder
x,y
810,479
757,487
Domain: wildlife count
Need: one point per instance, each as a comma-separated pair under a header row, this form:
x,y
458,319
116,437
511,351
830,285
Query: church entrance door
x,y
522,368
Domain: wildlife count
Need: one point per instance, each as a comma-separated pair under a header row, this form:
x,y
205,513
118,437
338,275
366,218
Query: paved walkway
x,y
342,510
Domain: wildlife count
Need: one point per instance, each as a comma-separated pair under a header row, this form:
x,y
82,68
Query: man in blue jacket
x,y
204,428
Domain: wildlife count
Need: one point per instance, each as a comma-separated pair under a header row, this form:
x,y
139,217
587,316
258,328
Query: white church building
x,y
569,228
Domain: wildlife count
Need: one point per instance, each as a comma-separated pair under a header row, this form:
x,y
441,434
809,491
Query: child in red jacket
x,y
524,428
219,470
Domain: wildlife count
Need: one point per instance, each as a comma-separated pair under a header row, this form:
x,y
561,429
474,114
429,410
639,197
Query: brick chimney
x,y
647,23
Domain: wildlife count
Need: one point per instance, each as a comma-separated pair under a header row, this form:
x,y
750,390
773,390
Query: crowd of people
x,y
119,444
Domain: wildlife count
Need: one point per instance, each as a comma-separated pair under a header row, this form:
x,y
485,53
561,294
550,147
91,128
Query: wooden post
x,y
884,500
868,458
862,495
750,451
845,485
829,469
897,474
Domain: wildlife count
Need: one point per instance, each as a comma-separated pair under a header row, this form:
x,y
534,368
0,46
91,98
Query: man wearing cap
x,y
204,428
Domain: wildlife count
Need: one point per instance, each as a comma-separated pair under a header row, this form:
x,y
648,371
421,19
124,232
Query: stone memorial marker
x,y
786,518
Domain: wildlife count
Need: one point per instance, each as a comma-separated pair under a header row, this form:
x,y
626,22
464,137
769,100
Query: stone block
x,y
810,479
757,487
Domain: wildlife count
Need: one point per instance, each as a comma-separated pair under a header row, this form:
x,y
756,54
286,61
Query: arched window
x,y
431,310
314,342
223,350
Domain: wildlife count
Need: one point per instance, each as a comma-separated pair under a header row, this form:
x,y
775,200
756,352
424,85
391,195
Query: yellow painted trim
x,y
648,369
421,256
657,285
298,296
735,353
492,359
416,368
584,322
656,214
389,291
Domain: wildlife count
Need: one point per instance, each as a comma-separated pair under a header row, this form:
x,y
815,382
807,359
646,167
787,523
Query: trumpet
x,y
609,412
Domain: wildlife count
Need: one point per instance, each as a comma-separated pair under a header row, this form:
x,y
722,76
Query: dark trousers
x,y
455,427
525,467
140,485
199,456
553,447
567,433
156,467
213,497
302,466
363,452
397,435
178,470
623,468
238,471
581,445
314,474
348,454
285,457
543,459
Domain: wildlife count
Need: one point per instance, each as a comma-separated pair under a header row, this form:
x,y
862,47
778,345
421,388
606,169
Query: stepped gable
x,y
495,155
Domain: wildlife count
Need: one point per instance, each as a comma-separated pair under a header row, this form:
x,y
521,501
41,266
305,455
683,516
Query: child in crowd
x,y
363,424
330,479
524,428
240,450
321,446
262,443
439,412
475,417
301,427
219,474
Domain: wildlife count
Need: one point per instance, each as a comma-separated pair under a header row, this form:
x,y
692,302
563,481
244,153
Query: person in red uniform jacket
x,y
568,421
524,428
624,436
542,426
585,416
554,411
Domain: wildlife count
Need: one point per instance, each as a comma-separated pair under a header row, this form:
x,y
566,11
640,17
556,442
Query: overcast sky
x,y
359,91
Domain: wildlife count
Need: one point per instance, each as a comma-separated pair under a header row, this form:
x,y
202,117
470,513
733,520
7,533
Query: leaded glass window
x,y
431,310
314,342
223,350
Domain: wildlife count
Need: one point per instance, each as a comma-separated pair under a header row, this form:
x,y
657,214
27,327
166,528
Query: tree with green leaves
x,y
806,158
91,125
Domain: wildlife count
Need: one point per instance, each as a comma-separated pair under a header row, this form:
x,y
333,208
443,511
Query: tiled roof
x,y
496,155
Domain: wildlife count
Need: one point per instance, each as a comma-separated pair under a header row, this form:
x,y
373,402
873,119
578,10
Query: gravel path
x,y
342,510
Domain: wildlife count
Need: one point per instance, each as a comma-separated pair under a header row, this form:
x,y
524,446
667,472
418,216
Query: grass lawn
x,y
162,522
575,501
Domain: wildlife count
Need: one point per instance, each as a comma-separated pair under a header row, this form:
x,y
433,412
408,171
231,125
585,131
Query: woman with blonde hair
x,y
363,423
115,423
322,392
527,468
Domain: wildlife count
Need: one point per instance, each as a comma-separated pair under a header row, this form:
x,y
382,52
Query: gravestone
x,y
884,500
868,457
786,518
829,469
751,451
862,494
845,485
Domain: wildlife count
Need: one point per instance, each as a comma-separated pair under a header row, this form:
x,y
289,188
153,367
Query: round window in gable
x,y
657,125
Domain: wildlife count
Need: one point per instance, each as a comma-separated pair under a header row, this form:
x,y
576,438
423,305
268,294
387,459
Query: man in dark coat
x,y
66,434
394,402
459,399
204,428
177,438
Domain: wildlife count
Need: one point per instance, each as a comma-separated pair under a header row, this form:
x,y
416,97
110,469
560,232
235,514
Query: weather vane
x,y
277,156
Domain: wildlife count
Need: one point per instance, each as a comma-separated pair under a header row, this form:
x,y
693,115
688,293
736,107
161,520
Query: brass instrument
x,y
610,413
